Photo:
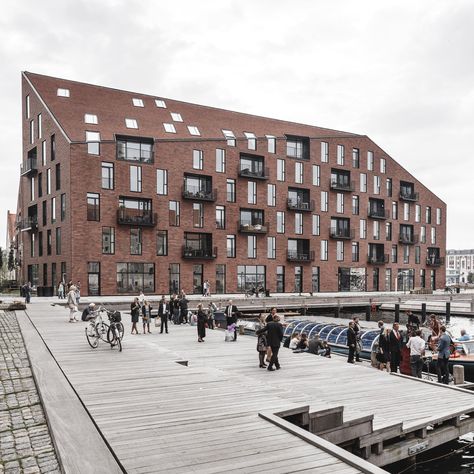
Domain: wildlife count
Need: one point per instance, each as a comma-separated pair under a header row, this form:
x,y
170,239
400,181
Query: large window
x,y
280,222
340,155
220,279
135,149
316,175
271,195
231,190
108,240
107,175
297,147
93,278
58,240
174,278
135,277
355,158
220,160
299,172
324,152
198,215
135,241
251,246
280,170
162,182
53,210
162,243
93,143
271,247
49,242
220,217
93,207
280,279
136,179
58,177
231,246
63,207
198,159
174,214
250,277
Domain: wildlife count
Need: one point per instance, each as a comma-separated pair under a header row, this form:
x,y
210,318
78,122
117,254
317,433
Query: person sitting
x,y
302,343
89,312
326,350
294,341
315,346
464,336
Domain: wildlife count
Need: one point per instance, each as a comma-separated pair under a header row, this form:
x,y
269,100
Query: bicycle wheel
x,y
120,329
113,337
92,336
102,330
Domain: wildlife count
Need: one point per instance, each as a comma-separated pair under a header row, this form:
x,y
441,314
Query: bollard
x,y
397,313
448,312
367,313
423,313
458,374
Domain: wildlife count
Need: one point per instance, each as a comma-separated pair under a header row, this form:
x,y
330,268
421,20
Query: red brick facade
x,y
81,240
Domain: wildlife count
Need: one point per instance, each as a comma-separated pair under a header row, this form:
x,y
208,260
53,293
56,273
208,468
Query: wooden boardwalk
x,y
160,416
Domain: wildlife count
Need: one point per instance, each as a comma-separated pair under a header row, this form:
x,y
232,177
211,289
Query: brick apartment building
x,y
125,191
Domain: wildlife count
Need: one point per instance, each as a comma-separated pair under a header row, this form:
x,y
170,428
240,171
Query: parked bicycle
x,y
111,333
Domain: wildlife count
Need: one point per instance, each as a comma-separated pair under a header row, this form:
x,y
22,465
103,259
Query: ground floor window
x,y
352,279
422,278
197,279
33,277
250,277
280,280
174,278
93,278
298,279
63,272
388,279
220,279
54,283
433,279
315,280
405,279
45,274
375,279
135,277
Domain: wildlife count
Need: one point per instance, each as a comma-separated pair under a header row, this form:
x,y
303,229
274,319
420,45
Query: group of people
x,y
269,338
301,343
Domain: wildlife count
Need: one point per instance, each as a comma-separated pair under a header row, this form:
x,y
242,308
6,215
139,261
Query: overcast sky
x,y
401,72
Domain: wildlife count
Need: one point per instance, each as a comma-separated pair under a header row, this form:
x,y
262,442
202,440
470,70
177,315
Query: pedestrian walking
x,y
27,292
416,344
135,313
201,323
231,317
274,332
351,342
61,290
146,316
72,304
163,313
444,343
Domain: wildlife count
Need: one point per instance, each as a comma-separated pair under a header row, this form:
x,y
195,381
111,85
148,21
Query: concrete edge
x,y
78,443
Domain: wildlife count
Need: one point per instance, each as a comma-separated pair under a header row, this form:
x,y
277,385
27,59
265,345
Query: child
x,y
262,349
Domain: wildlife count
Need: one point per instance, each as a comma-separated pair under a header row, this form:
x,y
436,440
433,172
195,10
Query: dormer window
x,y
63,92
251,140
91,118
131,123
176,117
160,103
169,127
230,137
138,102
193,130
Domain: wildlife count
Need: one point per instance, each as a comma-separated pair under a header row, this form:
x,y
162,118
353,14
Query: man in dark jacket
x,y
163,312
183,306
351,342
274,332
395,347
231,317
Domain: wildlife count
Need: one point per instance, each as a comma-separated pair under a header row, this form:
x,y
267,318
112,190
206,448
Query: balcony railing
x,y
30,166
143,157
296,256
434,261
253,174
409,196
346,186
28,223
336,233
374,213
249,228
408,239
138,218
377,259
197,194
300,205
204,254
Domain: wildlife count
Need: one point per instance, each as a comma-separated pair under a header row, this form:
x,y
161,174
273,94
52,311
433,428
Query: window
x,y
355,158
174,213
107,175
91,118
355,251
160,103
220,160
271,247
280,170
231,246
417,213
324,249
299,172
131,123
220,217
63,92
169,128
53,147
27,107
370,160
406,254
135,241
422,234
40,126
438,216
45,274
376,184
417,254
340,251
280,222
271,195
376,229
137,102
162,182
32,131
176,117
252,192
135,149
297,147
251,246
136,179
45,213
93,143
43,152
63,207
406,211
108,240
428,215
324,201
58,240
340,203
193,130
316,175
220,279
355,205
197,159
363,183
53,210
250,276
93,207
48,181
32,188
316,229
363,229
162,243
134,276
280,279
324,152
230,137
388,231
298,222
49,242
251,140
271,143
394,210
32,245
198,215
40,185
40,244
383,166
340,155
231,190
433,235
58,177
394,254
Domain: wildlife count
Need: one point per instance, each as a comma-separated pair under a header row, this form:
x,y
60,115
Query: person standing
x,y
72,303
383,351
163,313
212,309
416,344
443,356
201,323
27,292
231,317
146,316
355,319
61,290
262,349
183,306
274,332
435,326
351,342
135,312
205,287
395,347
174,309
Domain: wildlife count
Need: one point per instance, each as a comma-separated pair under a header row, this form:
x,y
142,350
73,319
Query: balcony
x,y
248,228
409,196
297,256
408,239
377,259
203,254
253,174
197,194
28,223
343,186
434,261
136,218
300,205
378,213
29,167
335,233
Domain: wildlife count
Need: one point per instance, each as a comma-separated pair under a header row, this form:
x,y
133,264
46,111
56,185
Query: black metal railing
x,y
142,157
408,239
253,228
203,253
297,256
336,233
378,259
134,217
434,261
198,194
300,205
30,166
375,213
409,196
28,223
261,173
342,185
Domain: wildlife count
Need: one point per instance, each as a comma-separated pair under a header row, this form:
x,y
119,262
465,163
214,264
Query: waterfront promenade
x,y
157,415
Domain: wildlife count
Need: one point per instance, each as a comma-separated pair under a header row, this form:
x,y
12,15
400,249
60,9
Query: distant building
x,y
458,266
126,192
